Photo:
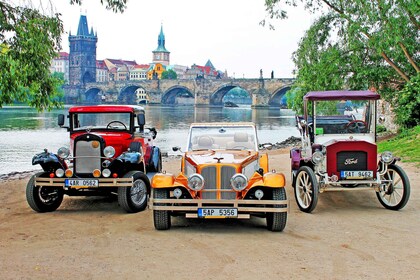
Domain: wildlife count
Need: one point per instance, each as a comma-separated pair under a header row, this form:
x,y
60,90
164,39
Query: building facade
x,y
61,65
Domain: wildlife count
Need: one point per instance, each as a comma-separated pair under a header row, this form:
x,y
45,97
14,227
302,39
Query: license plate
x,y
81,183
356,174
217,212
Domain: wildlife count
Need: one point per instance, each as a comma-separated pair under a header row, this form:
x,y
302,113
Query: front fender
x,y
48,161
271,180
163,180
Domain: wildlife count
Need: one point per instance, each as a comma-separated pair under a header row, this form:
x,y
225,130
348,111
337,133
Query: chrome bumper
x,y
244,206
103,182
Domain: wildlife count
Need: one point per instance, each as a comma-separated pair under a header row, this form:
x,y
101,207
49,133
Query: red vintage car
x,y
111,151
339,151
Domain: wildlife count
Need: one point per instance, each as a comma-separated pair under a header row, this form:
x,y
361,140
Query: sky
x,y
225,31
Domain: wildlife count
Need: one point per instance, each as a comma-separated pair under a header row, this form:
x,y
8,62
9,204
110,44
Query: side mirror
x,y
266,146
61,119
175,149
153,132
141,120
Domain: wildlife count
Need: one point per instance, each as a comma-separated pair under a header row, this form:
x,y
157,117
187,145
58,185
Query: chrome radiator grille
x,y
87,158
212,187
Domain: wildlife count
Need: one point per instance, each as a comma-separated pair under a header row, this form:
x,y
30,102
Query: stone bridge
x,y
263,92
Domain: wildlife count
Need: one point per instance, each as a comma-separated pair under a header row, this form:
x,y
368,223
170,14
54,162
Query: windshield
x,y
226,137
343,117
111,121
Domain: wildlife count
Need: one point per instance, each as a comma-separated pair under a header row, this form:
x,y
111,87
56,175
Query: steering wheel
x,y
109,124
358,126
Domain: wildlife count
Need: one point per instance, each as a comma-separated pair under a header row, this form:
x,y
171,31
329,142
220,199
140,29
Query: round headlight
x,y
106,172
387,157
317,157
59,173
239,182
63,152
109,151
196,182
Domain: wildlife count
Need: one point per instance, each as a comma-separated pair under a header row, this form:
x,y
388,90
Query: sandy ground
x,y
348,236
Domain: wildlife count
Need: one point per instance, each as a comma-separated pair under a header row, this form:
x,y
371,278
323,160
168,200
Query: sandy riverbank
x,y
348,236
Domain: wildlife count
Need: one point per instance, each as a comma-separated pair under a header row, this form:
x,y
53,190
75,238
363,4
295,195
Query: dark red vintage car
x,y
339,151
110,152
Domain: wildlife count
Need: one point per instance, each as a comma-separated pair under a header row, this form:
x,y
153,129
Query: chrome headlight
x,y
63,152
317,157
109,151
106,172
196,182
239,182
59,173
387,157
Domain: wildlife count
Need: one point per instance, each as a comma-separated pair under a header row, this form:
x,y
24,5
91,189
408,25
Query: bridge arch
x,y
216,98
278,98
173,95
130,94
92,96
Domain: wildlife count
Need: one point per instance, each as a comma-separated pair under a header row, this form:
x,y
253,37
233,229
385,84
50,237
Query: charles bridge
x,y
263,92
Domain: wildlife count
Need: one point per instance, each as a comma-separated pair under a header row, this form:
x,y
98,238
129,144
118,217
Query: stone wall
x,y
385,110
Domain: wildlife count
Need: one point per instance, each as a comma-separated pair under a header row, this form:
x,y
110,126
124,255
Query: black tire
x,y
43,199
277,221
395,191
306,189
134,199
161,218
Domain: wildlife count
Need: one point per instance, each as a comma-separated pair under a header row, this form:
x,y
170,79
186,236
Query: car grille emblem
x,y
350,161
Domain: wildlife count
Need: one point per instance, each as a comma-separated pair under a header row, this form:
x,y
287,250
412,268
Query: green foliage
x,y
114,5
169,75
380,128
405,145
408,104
358,44
29,40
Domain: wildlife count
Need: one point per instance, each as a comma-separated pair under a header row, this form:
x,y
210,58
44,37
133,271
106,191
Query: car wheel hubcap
x,y
138,192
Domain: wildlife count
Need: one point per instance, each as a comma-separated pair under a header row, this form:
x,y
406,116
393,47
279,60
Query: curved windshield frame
x,y
222,138
101,121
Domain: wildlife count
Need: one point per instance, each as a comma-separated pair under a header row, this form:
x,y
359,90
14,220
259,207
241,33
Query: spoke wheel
x,y
395,188
134,199
306,189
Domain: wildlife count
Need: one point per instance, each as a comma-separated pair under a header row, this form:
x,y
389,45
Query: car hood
x,y
221,156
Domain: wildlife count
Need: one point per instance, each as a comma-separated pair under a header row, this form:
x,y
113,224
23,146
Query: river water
x,y
25,132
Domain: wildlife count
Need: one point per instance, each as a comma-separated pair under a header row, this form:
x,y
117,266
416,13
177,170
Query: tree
x,y
169,75
27,53
363,43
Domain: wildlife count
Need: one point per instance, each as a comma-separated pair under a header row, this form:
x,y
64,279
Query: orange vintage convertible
x,y
223,175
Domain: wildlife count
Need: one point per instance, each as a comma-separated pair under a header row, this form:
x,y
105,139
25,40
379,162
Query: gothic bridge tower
x,y
82,57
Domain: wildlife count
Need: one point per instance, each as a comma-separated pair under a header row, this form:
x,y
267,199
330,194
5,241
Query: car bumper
x,y
102,182
244,207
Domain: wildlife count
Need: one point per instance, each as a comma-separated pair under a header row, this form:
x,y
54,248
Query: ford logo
x,y
349,161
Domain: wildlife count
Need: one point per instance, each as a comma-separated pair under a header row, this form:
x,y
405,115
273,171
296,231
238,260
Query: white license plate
x,y
356,174
217,212
84,183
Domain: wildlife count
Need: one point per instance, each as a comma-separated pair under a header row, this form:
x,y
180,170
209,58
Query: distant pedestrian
x,y
272,74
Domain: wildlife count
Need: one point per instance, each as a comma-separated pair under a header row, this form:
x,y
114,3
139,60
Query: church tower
x,y
161,55
82,57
